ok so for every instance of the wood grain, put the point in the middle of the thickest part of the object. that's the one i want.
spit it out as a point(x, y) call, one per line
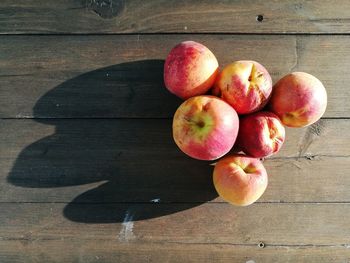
point(136, 16)
point(89, 171)
point(272, 224)
point(111, 160)
point(75, 250)
point(290, 180)
point(122, 76)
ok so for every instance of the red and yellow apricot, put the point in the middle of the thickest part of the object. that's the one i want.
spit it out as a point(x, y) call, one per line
point(298, 99)
point(205, 127)
point(245, 85)
point(261, 134)
point(190, 69)
point(239, 179)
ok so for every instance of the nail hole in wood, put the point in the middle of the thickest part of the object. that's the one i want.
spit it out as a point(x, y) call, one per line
point(259, 18)
point(261, 245)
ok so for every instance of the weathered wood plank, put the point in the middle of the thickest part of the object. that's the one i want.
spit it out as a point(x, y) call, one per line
point(135, 16)
point(99, 160)
point(122, 76)
point(290, 181)
point(27, 250)
point(273, 224)
point(145, 137)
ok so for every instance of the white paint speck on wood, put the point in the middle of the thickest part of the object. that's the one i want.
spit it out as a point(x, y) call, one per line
point(126, 232)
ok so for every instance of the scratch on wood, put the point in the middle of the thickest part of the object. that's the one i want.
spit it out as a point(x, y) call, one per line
point(330, 20)
point(15, 75)
point(312, 133)
point(296, 165)
point(23, 116)
point(295, 66)
point(106, 8)
point(140, 44)
point(131, 95)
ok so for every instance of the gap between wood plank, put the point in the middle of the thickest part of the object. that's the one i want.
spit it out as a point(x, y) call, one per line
point(177, 33)
point(178, 203)
point(199, 243)
point(121, 118)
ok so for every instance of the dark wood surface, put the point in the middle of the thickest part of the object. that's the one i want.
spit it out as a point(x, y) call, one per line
point(133, 159)
point(107, 251)
point(121, 76)
point(88, 168)
point(137, 16)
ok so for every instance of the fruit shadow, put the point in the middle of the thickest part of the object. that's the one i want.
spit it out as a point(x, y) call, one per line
point(138, 169)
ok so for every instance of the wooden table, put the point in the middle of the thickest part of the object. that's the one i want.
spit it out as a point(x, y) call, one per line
point(88, 168)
